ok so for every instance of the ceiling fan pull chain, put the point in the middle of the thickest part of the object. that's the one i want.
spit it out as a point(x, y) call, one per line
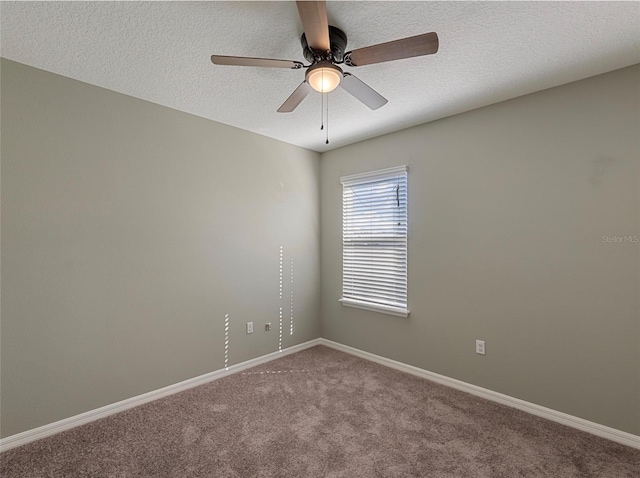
point(322, 103)
point(327, 141)
point(322, 111)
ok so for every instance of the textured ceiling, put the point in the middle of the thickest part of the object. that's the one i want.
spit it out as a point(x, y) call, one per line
point(160, 52)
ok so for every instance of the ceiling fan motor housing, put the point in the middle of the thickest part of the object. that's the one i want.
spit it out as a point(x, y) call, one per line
point(338, 41)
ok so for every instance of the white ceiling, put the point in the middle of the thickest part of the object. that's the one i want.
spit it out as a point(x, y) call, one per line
point(160, 52)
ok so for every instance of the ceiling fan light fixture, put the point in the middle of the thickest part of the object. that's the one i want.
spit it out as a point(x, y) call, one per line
point(324, 76)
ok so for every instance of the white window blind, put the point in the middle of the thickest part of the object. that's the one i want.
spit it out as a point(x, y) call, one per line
point(374, 240)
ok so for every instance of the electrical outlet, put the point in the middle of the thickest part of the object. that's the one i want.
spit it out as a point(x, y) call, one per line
point(267, 327)
point(480, 347)
point(249, 327)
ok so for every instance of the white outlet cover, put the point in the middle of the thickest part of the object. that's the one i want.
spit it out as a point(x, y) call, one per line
point(480, 347)
point(249, 327)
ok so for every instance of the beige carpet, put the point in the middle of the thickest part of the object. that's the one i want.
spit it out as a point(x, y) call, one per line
point(321, 413)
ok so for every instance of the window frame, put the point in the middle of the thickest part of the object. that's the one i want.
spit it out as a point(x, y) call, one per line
point(363, 179)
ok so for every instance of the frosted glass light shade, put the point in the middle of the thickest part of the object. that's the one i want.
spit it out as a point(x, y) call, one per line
point(324, 77)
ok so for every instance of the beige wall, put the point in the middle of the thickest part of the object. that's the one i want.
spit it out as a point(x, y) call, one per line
point(508, 206)
point(128, 231)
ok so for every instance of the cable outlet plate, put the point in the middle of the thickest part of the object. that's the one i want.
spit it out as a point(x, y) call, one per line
point(480, 347)
point(267, 327)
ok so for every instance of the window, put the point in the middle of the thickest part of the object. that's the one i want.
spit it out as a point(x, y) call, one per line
point(374, 241)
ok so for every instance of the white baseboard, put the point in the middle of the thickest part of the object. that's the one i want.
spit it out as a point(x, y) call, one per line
point(544, 412)
point(92, 415)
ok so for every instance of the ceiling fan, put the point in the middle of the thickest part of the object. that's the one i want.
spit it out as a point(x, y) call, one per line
point(324, 47)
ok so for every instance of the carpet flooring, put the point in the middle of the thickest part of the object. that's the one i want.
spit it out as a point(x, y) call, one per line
point(321, 413)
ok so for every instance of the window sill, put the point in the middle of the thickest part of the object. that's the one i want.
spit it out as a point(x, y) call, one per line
point(383, 309)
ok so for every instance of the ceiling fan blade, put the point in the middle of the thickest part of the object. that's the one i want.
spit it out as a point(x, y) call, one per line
point(363, 92)
point(315, 24)
point(425, 44)
point(246, 61)
point(296, 98)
